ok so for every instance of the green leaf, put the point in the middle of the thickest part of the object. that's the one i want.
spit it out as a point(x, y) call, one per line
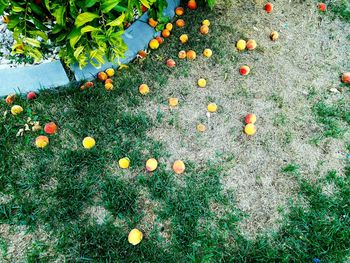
point(90, 3)
point(78, 51)
point(59, 15)
point(86, 29)
point(84, 18)
point(17, 9)
point(36, 9)
point(74, 37)
point(118, 21)
point(108, 5)
point(39, 34)
point(145, 3)
point(32, 41)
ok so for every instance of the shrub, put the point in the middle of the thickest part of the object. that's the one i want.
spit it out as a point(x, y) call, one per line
point(87, 30)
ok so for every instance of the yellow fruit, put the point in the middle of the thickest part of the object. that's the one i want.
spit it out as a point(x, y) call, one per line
point(154, 44)
point(124, 163)
point(207, 52)
point(183, 38)
point(144, 89)
point(202, 83)
point(206, 22)
point(41, 141)
point(212, 107)
point(274, 35)
point(173, 102)
point(241, 45)
point(169, 26)
point(6, 19)
point(182, 54)
point(16, 109)
point(250, 129)
point(201, 127)
point(110, 72)
point(108, 86)
point(179, 167)
point(135, 236)
point(151, 164)
point(89, 142)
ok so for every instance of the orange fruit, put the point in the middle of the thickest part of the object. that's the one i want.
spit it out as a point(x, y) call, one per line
point(159, 39)
point(152, 22)
point(179, 11)
point(204, 29)
point(165, 33)
point(191, 54)
point(192, 5)
point(180, 23)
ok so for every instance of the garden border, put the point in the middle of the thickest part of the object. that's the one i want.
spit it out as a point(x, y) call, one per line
point(53, 75)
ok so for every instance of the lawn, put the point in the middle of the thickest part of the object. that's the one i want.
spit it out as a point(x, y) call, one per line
point(282, 195)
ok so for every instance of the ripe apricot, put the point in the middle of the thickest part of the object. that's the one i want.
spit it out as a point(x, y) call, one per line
point(207, 52)
point(346, 78)
point(16, 109)
point(152, 22)
point(10, 99)
point(204, 29)
point(151, 164)
point(89, 84)
point(192, 5)
point(142, 54)
point(191, 54)
point(102, 76)
point(251, 44)
point(179, 167)
point(250, 118)
point(173, 102)
point(250, 129)
point(109, 81)
point(165, 33)
point(110, 72)
point(241, 45)
point(170, 63)
point(268, 7)
point(206, 22)
point(108, 86)
point(169, 26)
point(41, 141)
point(182, 54)
point(244, 70)
point(180, 23)
point(179, 11)
point(50, 128)
point(212, 107)
point(144, 89)
point(160, 39)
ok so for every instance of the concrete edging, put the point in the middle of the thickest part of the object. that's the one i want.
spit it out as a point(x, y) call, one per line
point(52, 74)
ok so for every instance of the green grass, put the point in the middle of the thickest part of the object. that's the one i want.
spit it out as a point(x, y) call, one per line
point(196, 220)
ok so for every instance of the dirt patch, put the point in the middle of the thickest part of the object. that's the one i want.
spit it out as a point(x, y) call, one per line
point(309, 55)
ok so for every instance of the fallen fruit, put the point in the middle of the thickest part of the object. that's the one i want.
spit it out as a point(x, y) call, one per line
point(143, 8)
point(165, 33)
point(102, 76)
point(212, 107)
point(160, 39)
point(154, 44)
point(110, 72)
point(89, 142)
point(135, 236)
point(152, 22)
point(142, 54)
point(41, 141)
point(250, 118)
point(179, 11)
point(182, 54)
point(144, 89)
point(201, 127)
point(244, 70)
point(191, 54)
point(251, 44)
point(183, 38)
point(170, 63)
point(241, 44)
point(206, 22)
point(202, 83)
point(179, 167)
point(108, 86)
point(124, 163)
point(192, 5)
point(180, 23)
point(109, 81)
point(10, 99)
point(274, 35)
point(173, 102)
point(31, 95)
point(89, 84)
point(16, 109)
point(151, 164)
point(322, 7)
point(250, 129)
point(346, 78)
point(169, 26)
point(6, 19)
point(50, 128)
point(268, 7)
point(207, 52)
point(204, 29)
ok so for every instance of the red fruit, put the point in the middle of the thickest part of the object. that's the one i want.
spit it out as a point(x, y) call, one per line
point(322, 7)
point(89, 84)
point(250, 118)
point(192, 5)
point(50, 128)
point(268, 7)
point(346, 78)
point(170, 63)
point(244, 70)
point(143, 8)
point(37, 2)
point(31, 95)
point(160, 39)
